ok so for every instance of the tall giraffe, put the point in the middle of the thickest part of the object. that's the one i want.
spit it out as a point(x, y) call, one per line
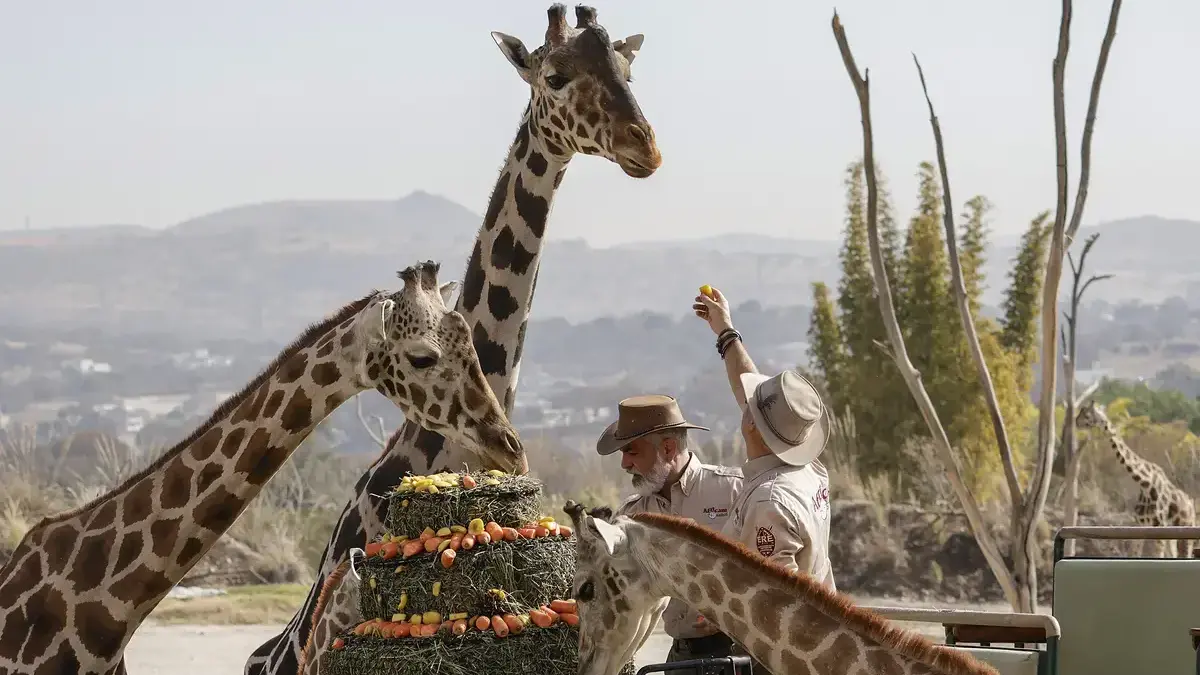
point(579, 102)
point(81, 582)
point(626, 568)
point(1159, 502)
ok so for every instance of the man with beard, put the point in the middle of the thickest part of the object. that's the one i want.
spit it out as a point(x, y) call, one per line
point(652, 435)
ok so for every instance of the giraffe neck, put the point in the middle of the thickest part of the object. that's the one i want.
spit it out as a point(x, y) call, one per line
point(501, 275)
point(1141, 470)
point(106, 565)
point(789, 623)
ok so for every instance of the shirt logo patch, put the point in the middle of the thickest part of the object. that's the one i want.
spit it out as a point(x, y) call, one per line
point(714, 512)
point(821, 503)
point(764, 541)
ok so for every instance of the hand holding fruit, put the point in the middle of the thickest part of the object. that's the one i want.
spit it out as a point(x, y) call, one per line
point(712, 306)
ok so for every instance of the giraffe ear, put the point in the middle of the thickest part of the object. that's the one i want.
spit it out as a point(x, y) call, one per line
point(447, 290)
point(374, 321)
point(610, 536)
point(514, 50)
point(629, 47)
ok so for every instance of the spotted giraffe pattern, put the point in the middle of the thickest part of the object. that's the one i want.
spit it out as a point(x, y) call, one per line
point(80, 583)
point(580, 103)
point(1159, 502)
point(626, 569)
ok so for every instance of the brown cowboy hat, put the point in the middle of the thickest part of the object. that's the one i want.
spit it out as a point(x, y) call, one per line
point(641, 415)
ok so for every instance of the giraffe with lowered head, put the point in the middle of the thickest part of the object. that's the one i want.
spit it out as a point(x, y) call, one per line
point(1159, 502)
point(626, 569)
point(580, 102)
point(81, 582)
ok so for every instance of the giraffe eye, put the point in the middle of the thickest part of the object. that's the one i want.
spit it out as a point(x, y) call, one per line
point(421, 362)
point(556, 81)
point(586, 592)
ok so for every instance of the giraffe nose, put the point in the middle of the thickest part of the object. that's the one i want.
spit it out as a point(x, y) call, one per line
point(638, 134)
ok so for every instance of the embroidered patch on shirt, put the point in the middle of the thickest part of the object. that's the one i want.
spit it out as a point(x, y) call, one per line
point(765, 542)
point(714, 512)
point(821, 503)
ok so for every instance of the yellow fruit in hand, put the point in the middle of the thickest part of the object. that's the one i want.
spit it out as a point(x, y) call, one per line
point(706, 290)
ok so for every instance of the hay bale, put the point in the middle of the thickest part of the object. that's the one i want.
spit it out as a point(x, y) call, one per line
point(531, 572)
point(515, 500)
point(545, 651)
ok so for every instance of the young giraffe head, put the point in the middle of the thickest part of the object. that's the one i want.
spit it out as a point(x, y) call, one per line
point(580, 99)
point(1090, 416)
point(618, 609)
point(413, 349)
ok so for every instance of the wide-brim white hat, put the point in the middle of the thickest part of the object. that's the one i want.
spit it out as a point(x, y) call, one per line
point(789, 414)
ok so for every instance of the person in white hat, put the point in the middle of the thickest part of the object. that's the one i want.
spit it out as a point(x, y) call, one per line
point(782, 510)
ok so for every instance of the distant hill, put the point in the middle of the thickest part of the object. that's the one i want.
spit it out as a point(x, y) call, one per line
point(265, 270)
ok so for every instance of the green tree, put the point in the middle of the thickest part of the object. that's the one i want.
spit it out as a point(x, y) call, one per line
point(825, 347)
point(972, 249)
point(1023, 298)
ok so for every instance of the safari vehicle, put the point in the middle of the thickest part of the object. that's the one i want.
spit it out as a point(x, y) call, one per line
point(1109, 616)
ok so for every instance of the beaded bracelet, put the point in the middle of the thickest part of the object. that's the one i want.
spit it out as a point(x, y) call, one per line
point(727, 338)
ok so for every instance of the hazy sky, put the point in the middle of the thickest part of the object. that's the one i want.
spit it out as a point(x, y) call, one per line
point(154, 112)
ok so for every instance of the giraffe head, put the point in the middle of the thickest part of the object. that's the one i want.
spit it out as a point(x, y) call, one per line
point(618, 605)
point(413, 349)
point(580, 99)
point(1090, 416)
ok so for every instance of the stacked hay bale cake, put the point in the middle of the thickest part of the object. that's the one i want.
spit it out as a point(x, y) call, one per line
point(471, 578)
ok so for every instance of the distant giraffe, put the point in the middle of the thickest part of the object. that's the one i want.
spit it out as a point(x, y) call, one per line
point(80, 583)
point(1159, 503)
point(580, 102)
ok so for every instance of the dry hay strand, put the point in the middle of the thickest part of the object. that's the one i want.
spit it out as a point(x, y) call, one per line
point(512, 503)
point(545, 651)
point(531, 572)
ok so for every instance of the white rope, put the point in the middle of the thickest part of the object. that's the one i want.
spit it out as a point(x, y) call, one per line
point(352, 568)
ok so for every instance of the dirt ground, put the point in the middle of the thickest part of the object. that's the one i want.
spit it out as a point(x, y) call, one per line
point(222, 650)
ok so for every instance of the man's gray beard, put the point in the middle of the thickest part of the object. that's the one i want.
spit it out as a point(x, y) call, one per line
point(654, 482)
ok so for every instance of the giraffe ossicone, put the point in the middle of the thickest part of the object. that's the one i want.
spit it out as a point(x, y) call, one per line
point(80, 583)
point(580, 102)
point(627, 568)
point(1160, 502)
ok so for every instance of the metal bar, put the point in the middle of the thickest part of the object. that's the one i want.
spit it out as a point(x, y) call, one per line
point(968, 617)
point(1128, 532)
point(728, 665)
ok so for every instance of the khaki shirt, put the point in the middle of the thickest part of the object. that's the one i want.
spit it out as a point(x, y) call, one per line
point(704, 493)
point(783, 513)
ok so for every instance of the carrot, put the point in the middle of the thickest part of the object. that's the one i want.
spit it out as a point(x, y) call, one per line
point(432, 543)
point(413, 547)
point(499, 627)
point(446, 625)
point(469, 481)
point(338, 643)
point(402, 630)
point(389, 550)
point(540, 531)
point(526, 532)
point(456, 541)
point(428, 629)
point(551, 613)
point(459, 627)
point(563, 606)
point(564, 530)
point(571, 619)
point(483, 538)
point(468, 542)
point(448, 558)
point(540, 618)
point(514, 624)
point(372, 549)
point(510, 534)
point(482, 623)
point(494, 530)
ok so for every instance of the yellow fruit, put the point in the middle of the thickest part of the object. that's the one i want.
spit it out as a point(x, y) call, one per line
point(490, 481)
point(433, 489)
point(397, 618)
point(475, 526)
point(403, 601)
point(458, 529)
point(444, 532)
point(437, 588)
point(442, 546)
point(398, 570)
point(706, 290)
point(457, 615)
point(371, 581)
point(431, 618)
point(495, 472)
point(403, 503)
point(415, 619)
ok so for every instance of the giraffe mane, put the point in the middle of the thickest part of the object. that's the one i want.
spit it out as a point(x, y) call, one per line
point(311, 333)
point(326, 590)
point(865, 622)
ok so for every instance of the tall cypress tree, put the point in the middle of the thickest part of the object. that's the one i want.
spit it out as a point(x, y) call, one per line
point(825, 347)
point(1022, 299)
point(972, 249)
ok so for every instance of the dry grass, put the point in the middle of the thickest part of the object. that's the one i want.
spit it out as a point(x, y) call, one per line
point(241, 605)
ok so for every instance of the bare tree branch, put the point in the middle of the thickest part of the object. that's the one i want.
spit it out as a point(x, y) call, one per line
point(381, 436)
point(1085, 149)
point(964, 308)
point(912, 376)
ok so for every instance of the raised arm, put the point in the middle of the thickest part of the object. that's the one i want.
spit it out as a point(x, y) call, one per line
point(715, 311)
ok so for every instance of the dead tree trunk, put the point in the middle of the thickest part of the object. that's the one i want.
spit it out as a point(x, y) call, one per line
point(1071, 454)
point(1018, 582)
